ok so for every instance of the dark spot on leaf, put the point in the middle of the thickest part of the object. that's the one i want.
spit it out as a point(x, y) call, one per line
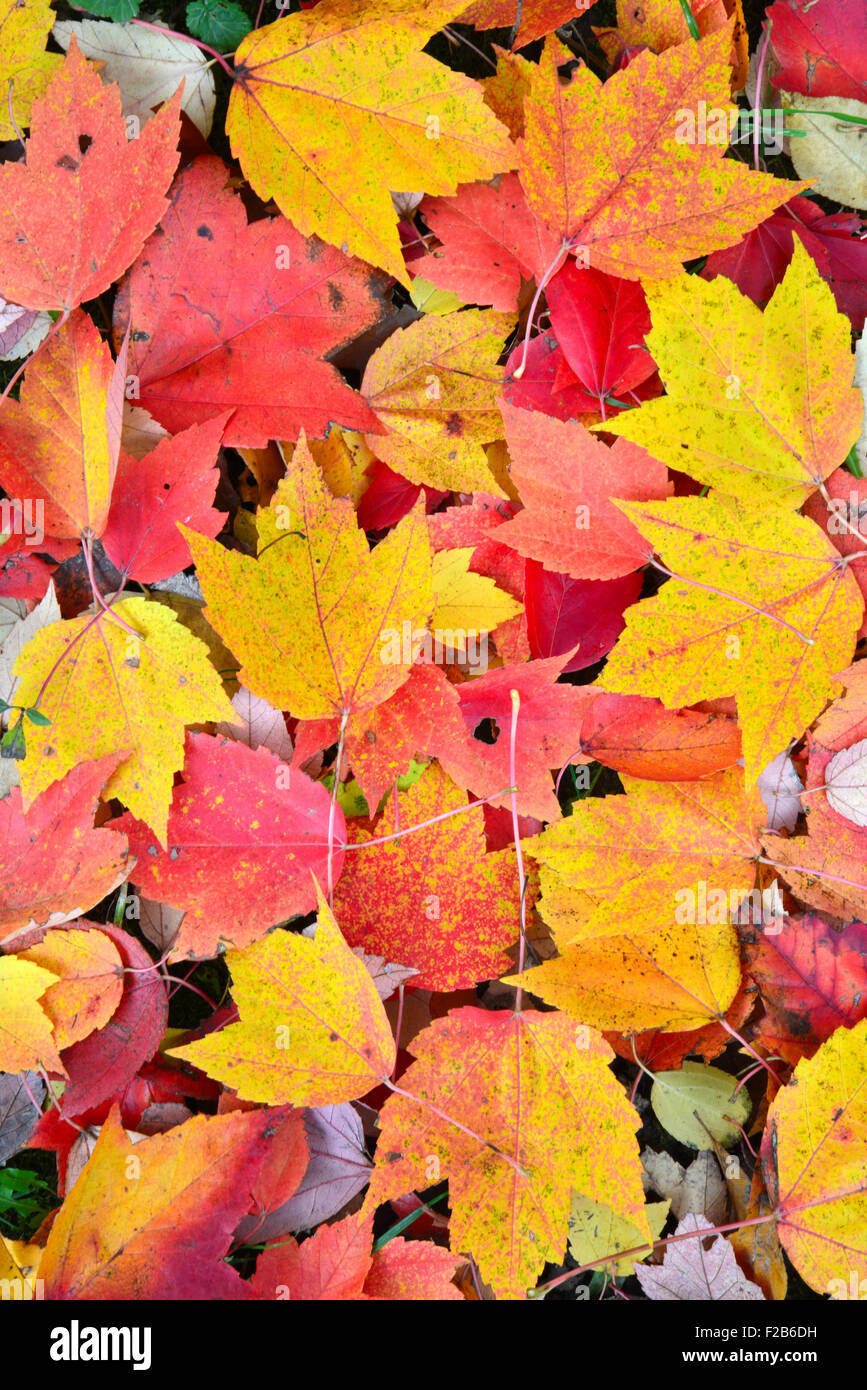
point(370, 736)
point(139, 337)
point(84, 143)
point(336, 297)
point(205, 231)
point(67, 162)
point(453, 425)
point(314, 248)
point(332, 1037)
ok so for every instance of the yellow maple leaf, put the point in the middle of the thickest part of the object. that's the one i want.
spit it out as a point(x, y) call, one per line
point(763, 402)
point(639, 861)
point(815, 1170)
point(24, 63)
point(515, 1112)
point(89, 973)
point(678, 979)
point(760, 607)
point(595, 1231)
point(112, 692)
point(325, 605)
point(26, 1039)
point(617, 169)
point(55, 443)
point(466, 603)
point(312, 1029)
point(435, 386)
point(333, 109)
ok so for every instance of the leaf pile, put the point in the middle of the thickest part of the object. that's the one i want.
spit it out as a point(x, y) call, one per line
point(432, 607)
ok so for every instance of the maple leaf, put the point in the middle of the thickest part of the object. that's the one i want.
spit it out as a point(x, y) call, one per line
point(820, 49)
point(634, 734)
point(563, 613)
point(55, 444)
point(666, 1051)
point(660, 24)
point(239, 813)
point(323, 600)
point(314, 85)
point(89, 981)
point(595, 1231)
point(422, 717)
point(814, 1164)
point(25, 68)
point(53, 864)
point(490, 242)
point(107, 1059)
point(813, 980)
point(75, 215)
point(26, 1034)
point(545, 737)
point(467, 604)
point(680, 978)
point(147, 67)
point(167, 1208)
point(642, 858)
point(529, 1115)
point(413, 1271)
point(312, 1028)
point(338, 1169)
point(114, 692)
point(434, 387)
point(604, 169)
point(450, 909)
point(173, 482)
point(566, 479)
point(841, 513)
point(757, 607)
point(331, 1265)
point(336, 1263)
point(758, 262)
point(534, 18)
point(691, 1271)
point(762, 402)
point(242, 322)
point(825, 868)
point(600, 323)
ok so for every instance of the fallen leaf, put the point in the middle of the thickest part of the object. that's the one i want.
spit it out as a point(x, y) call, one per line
point(147, 66)
point(118, 691)
point(450, 910)
point(433, 386)
point(313, 85)
point(698, 1273)
point(168, 1206)
point(595, 158)
point(765, 417)
point(244, 322)
point(812, 1158)
point(103, 199)
point(238, 812)
point(312, 1028)
point(473, 1065)
point(752, 593)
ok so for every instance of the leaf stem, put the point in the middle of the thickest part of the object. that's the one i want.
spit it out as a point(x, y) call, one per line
point(516, 832)
point(344, 720)
point(810, 641)
point(185, 38)
point(422, 825)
